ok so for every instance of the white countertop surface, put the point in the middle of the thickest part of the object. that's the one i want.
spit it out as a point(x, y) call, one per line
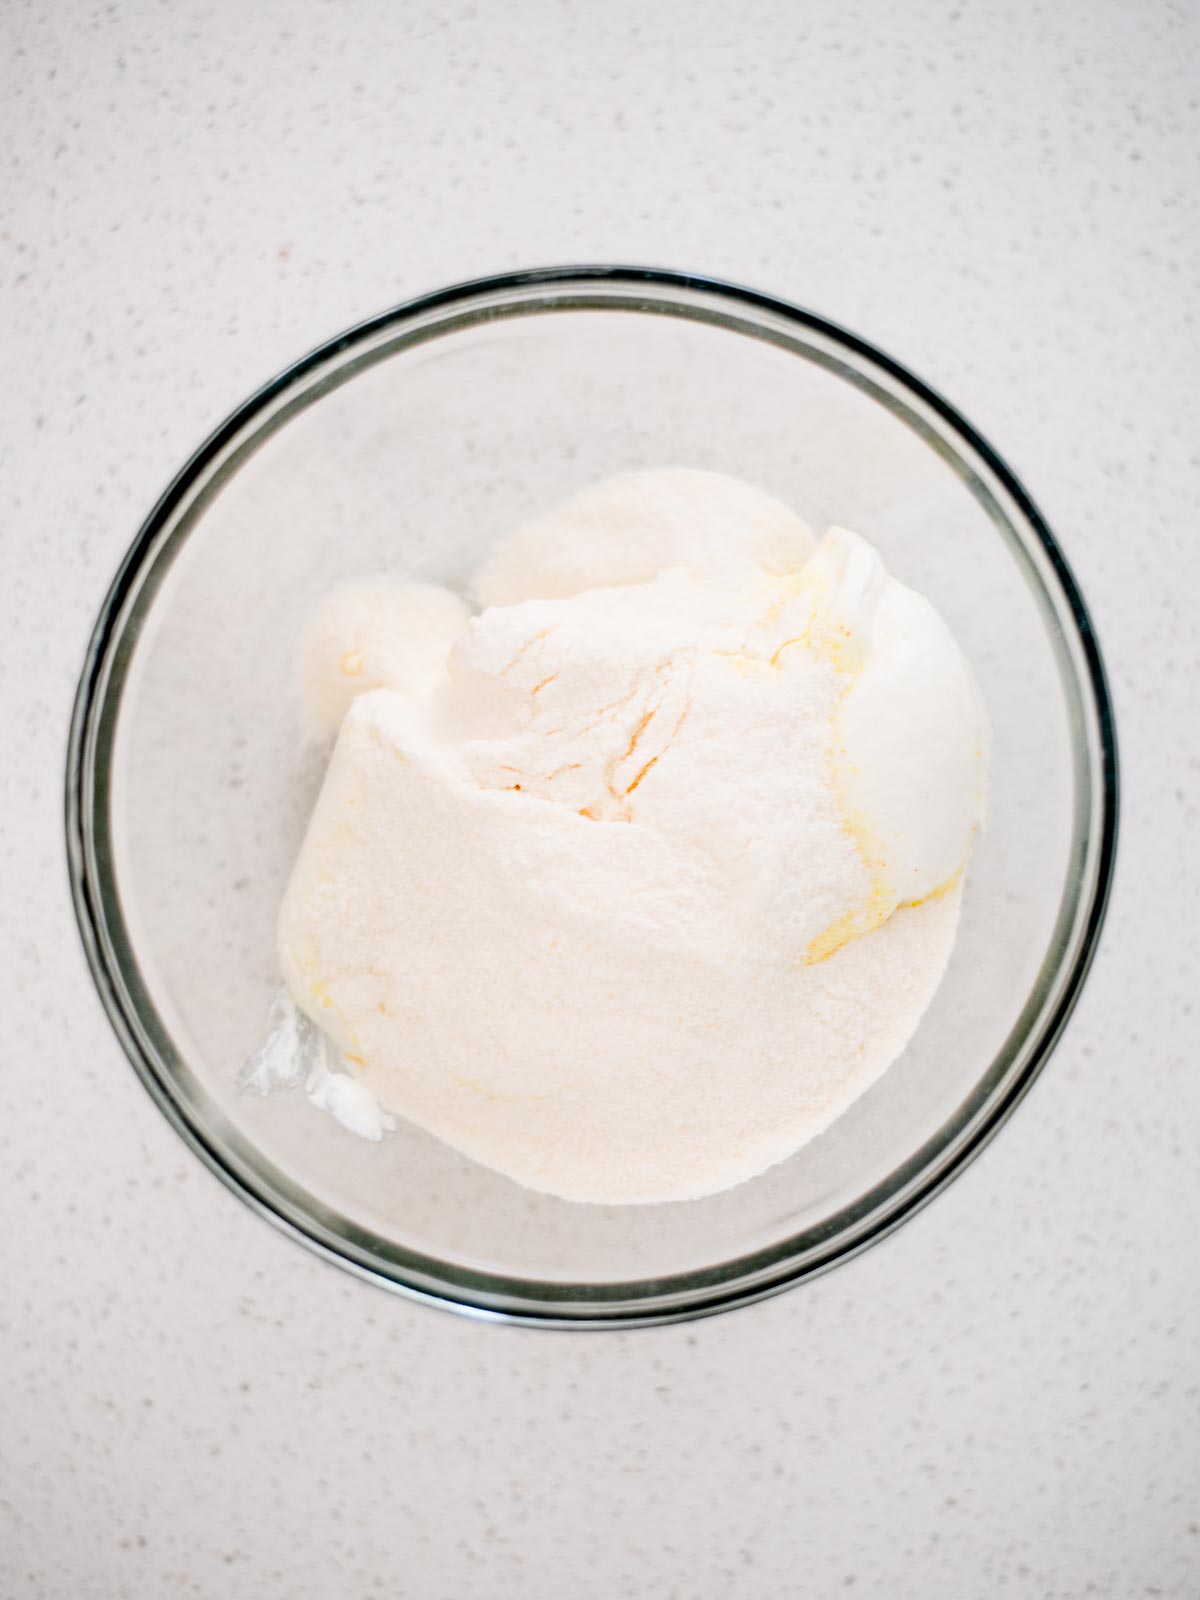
point(1001, 1398)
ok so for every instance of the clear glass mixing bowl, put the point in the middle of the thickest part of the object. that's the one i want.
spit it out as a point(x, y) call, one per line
point(411, 443)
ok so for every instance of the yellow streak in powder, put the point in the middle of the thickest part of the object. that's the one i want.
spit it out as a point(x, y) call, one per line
point(940, 893)
point(836, 644)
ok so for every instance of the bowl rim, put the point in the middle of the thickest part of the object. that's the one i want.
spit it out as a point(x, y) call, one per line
point(545, 1303)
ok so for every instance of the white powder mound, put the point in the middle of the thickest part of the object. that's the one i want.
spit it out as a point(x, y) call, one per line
point(370, 634)
point(628, 528)
point(624, 913)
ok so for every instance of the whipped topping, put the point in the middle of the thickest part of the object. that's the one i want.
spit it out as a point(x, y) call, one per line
point(660, 871)
point(372, 633)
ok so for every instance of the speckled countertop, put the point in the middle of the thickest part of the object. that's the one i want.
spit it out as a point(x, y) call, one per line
point(1002, 1398)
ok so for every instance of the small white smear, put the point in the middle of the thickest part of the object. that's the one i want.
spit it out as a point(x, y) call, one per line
point(349, 1102)
point(295, 1051)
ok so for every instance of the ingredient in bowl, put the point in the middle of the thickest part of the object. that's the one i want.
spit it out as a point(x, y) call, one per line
point(374, 633)
point(628, 528)
point(661, 871)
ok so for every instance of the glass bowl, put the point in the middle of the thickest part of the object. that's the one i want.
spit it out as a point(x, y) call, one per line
point(411, 443)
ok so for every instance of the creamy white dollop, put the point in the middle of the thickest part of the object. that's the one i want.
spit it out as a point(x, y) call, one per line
point(374, 633)
point(660, 871)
